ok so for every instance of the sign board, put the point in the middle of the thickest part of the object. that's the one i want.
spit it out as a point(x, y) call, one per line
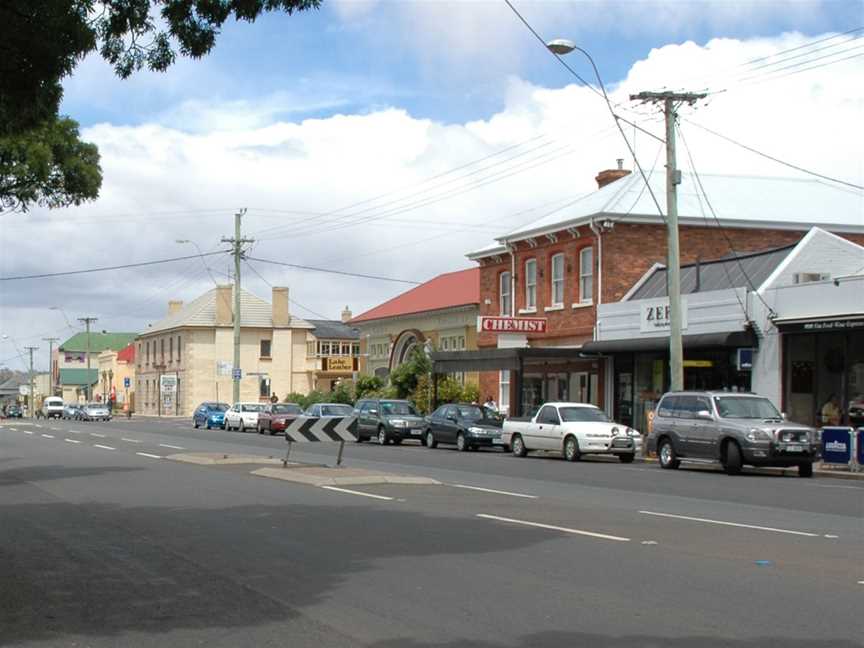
point(339, 364)
point(511, 324)
point(237, 373)
point(127, 382)
point(699, 364)
point(654, 315)
point(745, 359)
point(837, 445)
point(827, 325)
point(223, 367)
point(168, 383)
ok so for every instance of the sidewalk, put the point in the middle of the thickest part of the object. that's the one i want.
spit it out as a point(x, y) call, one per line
point(819, 469)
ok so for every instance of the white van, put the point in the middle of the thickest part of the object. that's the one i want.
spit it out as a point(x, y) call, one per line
point(52, 407)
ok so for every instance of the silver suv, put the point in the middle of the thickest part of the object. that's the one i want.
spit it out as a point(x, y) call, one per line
point(732, 428)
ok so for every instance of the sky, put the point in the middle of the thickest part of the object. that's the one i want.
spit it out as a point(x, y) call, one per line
point(391, 139)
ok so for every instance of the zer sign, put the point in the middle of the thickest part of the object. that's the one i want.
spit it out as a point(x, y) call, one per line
point(512, 324)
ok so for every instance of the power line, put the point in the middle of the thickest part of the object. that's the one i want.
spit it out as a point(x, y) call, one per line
point(292, 301)
point(800, 63)
point(811, 43)
point(800, 54)
point(331, 271)
point(774, 159)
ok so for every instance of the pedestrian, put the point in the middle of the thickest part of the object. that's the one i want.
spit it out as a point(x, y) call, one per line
point(490, 404)
point(831, 411)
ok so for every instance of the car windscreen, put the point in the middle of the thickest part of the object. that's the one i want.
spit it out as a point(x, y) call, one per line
point(403, 409)
point(471, 412)
point(253, 408)
point(287, 409)
point(745, 407)
point(336, 410)
point(218, 407)
point(582, 415)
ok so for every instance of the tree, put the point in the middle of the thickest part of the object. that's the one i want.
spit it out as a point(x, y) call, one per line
point(404, 377)
point(48, 166)
point(367, 385)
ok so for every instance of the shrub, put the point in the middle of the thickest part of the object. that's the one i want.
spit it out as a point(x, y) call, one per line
point(367, 386)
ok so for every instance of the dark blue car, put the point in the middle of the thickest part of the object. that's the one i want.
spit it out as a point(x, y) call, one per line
point(210, 415)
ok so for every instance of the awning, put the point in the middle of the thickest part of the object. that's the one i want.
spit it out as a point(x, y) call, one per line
point(498, 359)
point(848, 322)
point(734, 339)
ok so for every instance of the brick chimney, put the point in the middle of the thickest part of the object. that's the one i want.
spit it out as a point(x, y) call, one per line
point(224, 305)
point(174, 306)
point(611, 175)
point(346, 315)
point(281, 312)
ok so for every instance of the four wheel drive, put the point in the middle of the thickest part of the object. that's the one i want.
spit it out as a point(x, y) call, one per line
point(243, 416)
point(278, 416)
point(388, 420)
point(573, 429)
point(731, 428)
point(468, 426)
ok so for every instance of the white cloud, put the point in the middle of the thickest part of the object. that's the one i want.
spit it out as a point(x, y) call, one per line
point(164, 183)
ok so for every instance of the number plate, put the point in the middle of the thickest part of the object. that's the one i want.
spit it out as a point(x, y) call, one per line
point(793, 447)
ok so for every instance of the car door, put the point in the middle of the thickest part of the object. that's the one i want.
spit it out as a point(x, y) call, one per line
point(201, 415)
point(449, 426)
point(685, 424)
point(703, 431)
point(543, 435)
point(435, 420)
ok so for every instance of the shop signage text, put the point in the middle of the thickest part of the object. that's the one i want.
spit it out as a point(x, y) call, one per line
point(823, 325)
point(654, 315)
point(340, 364)
point(512, 324)
point(168, 384)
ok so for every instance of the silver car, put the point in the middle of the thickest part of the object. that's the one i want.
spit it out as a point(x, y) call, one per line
point(96, 412)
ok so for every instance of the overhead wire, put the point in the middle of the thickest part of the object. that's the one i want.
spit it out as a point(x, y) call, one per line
point(290, 300)
point(343, 273)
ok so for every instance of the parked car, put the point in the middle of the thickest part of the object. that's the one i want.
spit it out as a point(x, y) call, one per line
point(278, 416)
point(73, 411)
point(467, 426)
point(731, 428)
point(96, 412)
point(573, 429)
point(324, 410)
point(388, 420)
point(210, 415)
point(856, 412)
point(14, 411)
point(243, 416)
point(52, 407)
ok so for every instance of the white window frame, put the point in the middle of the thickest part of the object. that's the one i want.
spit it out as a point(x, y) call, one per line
point(505, 296)
point(586, 279)
point(504, 391)
point(556, 282)
point(531, 284)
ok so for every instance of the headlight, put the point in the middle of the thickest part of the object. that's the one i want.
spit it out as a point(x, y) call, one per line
point(476, 430)
point(758, 436)
point(614, 431)
point(398, 423)
point(629, 432)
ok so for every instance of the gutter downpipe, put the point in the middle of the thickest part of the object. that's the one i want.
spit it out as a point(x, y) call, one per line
point(598, 231)
point(511, 249)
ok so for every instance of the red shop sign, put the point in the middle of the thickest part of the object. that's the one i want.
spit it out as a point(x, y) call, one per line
point(512, 324)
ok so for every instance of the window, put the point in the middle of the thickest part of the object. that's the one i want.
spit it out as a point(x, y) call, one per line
point(586, 273)
point(311, 349)
point(445, 344)
point(558, 280)
point(355, 350)
point(324, 348)
point(265, 350)
point(504, 391)
point(531, 284)
point(148, 352)
point(178, 348)
point(504, 293)
point(548, 416)
point(171, 349)
point(162, 350)
point(264, 384)
point(461, 343)
point(346, 348)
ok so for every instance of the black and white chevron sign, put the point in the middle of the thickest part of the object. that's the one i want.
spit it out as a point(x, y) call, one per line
point(324, 429)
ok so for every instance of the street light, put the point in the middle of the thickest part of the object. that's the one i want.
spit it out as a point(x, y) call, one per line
point(201, 256)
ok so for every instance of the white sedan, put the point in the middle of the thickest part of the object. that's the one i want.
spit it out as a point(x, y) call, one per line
point(243, 416)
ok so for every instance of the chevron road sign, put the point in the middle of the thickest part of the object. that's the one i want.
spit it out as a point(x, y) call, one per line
point(325, 429)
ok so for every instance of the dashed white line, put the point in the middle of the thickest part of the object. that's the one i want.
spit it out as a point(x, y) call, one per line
point(48, 436)
point(168, 445)
point(37, 425)
point(147, 454)
point(590, 534)
point(492, 490)
point(25, 432)
point(97, 435)
point(76, 432)
point(353, 492)
point(71, 440)
point(104, 447)
point(130, 440)
point(732, 524)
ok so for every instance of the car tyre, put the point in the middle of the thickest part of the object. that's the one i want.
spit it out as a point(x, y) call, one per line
point(518, 446)
point(241, 427)
point(571, 449)
point(259, 428)
point(805, 470)
point(732, 465)
point(461, 443)
point(195, 424)
point(626, 458)
point(668, 457)
point(209, 427)
point(431, 443)
point(382, 436)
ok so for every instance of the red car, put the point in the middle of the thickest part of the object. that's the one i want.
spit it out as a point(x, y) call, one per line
point(278, 416)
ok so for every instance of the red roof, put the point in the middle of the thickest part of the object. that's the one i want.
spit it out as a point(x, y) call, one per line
point(126, 354)
point(444, 291)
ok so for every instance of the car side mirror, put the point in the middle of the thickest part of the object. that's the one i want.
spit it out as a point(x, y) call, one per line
point(704, 415)
point(452, 418)
point(784, 416)
point(373, 412)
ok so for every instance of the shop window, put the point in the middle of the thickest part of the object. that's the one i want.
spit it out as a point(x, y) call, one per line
point(355, 350)
point(171, 349)
point(531, 284)
point(558, 280)
point(461, 343)
point(265, 349)
point(178, 348)
point(505, 298)
point(445, 344)
point(586, 275)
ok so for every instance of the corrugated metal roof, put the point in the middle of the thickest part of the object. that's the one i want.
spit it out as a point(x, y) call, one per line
point(98, 341)
point(745, 271)
point(334, 330)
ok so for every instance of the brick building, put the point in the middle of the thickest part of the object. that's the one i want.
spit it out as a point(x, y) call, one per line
point(560, 267)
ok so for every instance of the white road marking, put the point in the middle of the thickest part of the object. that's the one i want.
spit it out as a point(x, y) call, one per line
point(76, 431)
point(492, 490)
point(37, 425)
point(130, 440)
point(732, 524)
point(836, 486)
point(147, 454)
point(56, 429)
point(830, 535)
point(71, 441)
point(104, 447)
point(590, 534)
point(353, 492)
point(96, 434)
point(649, 542)
point(25, 432)
point(48, 436)
point(167, 445)
point(861, 582)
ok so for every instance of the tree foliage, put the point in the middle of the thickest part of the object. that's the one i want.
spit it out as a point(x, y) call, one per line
point(367, 385)
point(404, 377)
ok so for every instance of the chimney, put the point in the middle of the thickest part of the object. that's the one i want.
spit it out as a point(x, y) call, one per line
point(346, 315)
point(611, 175)
point(281, 312)
point(224, 306)
point(174, 306)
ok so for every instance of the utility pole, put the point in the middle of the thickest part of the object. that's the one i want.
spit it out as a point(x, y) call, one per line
point(51, 341)
point(671, 101)
point(237, 244)
point(31, 349)
point(87, 322)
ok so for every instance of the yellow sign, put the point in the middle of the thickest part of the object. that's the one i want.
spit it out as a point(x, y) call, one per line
point(340, 364)
point(702, 364)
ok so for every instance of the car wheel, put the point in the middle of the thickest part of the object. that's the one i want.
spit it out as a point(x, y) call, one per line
point(382, 436)
point(668, 459)
point(732, 465)
point(241, 427)
point(208, 425)
point(397, 441)
point(518, 446)
point(626, 458)
point(461, 443)
point(431, 443)
point(259, 429)
point(805, 470)
point(571, 449)
point(195, 424)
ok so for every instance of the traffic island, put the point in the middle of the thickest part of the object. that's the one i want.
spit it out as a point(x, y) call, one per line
point(221, 459)
point(326, 476)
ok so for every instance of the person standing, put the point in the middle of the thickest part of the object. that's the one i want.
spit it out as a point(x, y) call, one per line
point(490, 404)
point(831, 411)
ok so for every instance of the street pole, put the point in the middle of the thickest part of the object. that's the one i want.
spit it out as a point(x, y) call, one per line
point(237, 244)
point(51, 341)
point(87, 322)
point(31, 349)
point(670, 101)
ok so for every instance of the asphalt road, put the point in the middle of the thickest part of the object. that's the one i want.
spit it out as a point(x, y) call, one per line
point(106, 542)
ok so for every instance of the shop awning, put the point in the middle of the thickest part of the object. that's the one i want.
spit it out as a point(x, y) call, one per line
point(733, 339)
point(497, 359)
point(848, 322)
